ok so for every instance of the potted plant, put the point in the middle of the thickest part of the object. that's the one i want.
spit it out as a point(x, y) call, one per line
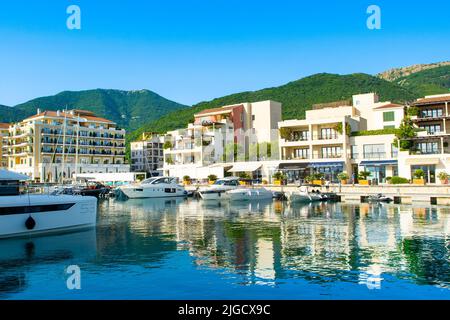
point(419, 177)
point(318, 178)
point(343, 177)
point(187, 180)
point(212, 178)
point(443, 176)
point(245, 177)
point(279, 178)
point(362, 178)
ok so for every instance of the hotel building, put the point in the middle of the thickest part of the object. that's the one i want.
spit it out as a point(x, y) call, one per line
point(340, 136)
point(207, 146)
point(54, 145)
point(4, 133)
point(147, 154)
point(430, 148)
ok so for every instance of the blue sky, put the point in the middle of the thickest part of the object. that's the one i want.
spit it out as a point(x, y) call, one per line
point(195, 50)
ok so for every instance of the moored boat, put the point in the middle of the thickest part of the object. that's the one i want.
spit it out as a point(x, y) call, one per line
point(35, 214)
point(249, 194)
point(219, 189)
point(156, 187)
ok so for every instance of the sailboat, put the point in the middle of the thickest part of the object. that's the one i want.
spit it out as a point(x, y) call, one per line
point(24, 215)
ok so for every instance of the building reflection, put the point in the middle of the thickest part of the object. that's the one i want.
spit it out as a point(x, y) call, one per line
point(324, 242)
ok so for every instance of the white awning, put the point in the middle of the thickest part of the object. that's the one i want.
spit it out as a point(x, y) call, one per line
point(6, 175)
point(245, 167)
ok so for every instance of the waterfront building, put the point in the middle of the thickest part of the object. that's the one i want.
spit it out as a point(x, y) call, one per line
point(348, 136)
point(54, 145)
point(4, 132)
point(430, 148)
point(147, 154)
point(223, 140)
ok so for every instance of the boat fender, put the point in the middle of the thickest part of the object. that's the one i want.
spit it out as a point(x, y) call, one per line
point(30, 223)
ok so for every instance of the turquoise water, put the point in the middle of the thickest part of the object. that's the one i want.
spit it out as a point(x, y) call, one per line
point(188, 249)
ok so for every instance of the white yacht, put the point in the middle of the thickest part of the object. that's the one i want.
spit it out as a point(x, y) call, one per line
point(218, 190)
point(249, 194)
point(23, 215)
point(305, 194)
point(156, 187)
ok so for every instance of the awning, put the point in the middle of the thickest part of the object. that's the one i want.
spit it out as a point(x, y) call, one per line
point(422, 161)
point(378, 163)
point(326, 164)
point(293, 166)
point(245, 167)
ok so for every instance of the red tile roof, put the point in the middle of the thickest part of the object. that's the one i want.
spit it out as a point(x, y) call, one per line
point(217, 110)
point(390, 106)
point(4, 125)
point(70, 116)
point(442, 99)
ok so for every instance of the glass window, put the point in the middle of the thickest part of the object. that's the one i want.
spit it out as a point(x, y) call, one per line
point(374, 151)
point(388, 116)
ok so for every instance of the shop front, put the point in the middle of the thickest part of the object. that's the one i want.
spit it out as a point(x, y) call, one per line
point(380, 170)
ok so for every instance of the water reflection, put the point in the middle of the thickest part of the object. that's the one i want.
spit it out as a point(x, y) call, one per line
point(251, 244)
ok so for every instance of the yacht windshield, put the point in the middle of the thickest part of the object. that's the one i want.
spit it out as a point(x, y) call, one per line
point(148, 181)
point(226, 183)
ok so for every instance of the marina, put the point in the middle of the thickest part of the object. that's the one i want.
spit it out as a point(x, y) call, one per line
point(169, 248)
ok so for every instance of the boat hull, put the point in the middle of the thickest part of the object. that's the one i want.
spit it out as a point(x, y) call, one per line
point(249, 195)
point(49, 214)
point(153, 192)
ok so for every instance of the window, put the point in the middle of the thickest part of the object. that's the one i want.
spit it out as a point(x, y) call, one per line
point(301, 153)
point(301, 135)
point(253, 117)
point(428, 147)
point(374, 151)
point(331, 152)
point(354, 152)
point(432, 113)
point(432, 128)
point(328, 133)
point(388, 116)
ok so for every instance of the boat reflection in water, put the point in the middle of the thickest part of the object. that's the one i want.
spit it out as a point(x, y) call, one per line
point(20, 256)
point(181, 249)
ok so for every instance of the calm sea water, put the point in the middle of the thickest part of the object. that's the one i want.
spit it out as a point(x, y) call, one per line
point(188, 249)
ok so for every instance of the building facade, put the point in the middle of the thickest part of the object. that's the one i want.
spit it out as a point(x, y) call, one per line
point(219, 138)
point(430, 148)
point(342, 137)
point(54, 145)
point(147, 154)
point(4, 133)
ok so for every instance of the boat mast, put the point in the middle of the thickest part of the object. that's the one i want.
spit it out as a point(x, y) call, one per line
point(64, 146)
point(76, 149)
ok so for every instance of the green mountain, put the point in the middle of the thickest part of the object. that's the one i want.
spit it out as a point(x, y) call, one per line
point(427, 82)
point(129, 109)
point(7, 114)
point(296, 97)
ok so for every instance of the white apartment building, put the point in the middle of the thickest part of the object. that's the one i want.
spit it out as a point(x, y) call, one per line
point(147, 154)
point(223, 140)
point(4, 133)
point(54, 145)
point(430, 148)
point(324, 142)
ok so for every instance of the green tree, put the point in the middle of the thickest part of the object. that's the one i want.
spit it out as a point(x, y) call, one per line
point(405, 133)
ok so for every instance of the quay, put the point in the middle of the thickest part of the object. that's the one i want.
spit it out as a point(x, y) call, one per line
point(402, 194)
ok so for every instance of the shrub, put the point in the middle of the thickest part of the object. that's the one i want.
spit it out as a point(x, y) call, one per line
point(419, 174)
point(413, 111)
point(167, 145)
point(279, 176)
point(212, 177)
point(399, 180)
point(244, 176)
point(317, 176)
point(374, 132)
point(285, 133)
point(363, 175)
point(186, 178)
point(343, 176)
point(443, 175)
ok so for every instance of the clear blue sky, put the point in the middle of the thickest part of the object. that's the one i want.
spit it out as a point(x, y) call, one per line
point(194, 50)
